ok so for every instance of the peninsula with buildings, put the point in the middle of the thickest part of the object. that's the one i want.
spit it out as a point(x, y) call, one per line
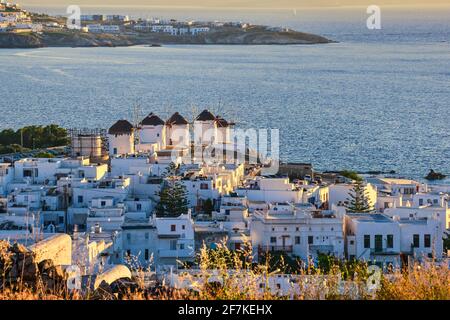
point(21, 29)
point(131, 202)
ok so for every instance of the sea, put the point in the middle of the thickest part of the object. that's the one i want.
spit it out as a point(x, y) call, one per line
point(376, 100)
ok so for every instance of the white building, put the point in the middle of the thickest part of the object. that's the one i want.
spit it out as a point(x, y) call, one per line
point(152, 131)
point(198, 30)
point(301, 230)
point(121, 138)
point(37, 170)
point(6, 177)
point(394, 186)
point(107, 213)
point(205, 128)
point(339, 194)
point(271, 189)
point(177, 131)
point(385, 241)
point(155, 242)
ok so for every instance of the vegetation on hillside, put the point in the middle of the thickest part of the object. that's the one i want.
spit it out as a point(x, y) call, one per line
point(224, 274)
point(351, 175)
point(32, 137)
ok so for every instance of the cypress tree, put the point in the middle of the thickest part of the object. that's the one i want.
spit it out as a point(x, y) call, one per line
point(358, 201)
point(173, 199)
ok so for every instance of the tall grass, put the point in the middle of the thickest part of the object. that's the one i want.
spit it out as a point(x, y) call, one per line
point(223, 274)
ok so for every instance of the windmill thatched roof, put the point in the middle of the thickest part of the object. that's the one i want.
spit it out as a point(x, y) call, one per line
point(121, 127)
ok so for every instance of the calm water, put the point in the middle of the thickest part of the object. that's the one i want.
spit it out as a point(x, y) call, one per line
point(375, 101)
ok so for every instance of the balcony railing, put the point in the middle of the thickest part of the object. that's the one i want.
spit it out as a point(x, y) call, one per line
point(180, 253)
point(274, 248)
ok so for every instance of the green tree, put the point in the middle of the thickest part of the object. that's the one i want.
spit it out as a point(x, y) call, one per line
point(446, 240)
point(172, 199)
point(358, 201)
point(351, 175)
point(44, 155)
point(171, 170)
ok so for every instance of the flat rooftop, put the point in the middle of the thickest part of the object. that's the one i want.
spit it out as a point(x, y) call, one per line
point(369, 217)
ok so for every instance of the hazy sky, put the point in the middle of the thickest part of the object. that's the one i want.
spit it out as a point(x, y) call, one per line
point(236, 3)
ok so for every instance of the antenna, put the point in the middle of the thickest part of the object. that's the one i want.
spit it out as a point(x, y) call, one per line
point(136, 119)
point(194, 111)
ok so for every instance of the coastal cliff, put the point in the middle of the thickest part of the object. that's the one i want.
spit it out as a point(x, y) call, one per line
point(66, 38)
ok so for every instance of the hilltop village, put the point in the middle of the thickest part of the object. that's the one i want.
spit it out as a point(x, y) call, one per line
point(22, 29)
point(102, 206)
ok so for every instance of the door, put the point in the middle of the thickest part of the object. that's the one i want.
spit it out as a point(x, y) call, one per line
point(378, 243)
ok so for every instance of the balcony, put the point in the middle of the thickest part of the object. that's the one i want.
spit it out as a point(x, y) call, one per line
point(274, 248)
point(180, 253)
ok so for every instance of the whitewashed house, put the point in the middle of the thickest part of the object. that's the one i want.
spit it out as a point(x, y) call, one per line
point(175, 239)
point(339, 194)
point(177, 131)
point(121, 138)
point(152, 131)
point(374, 238)
point(271, 189)
point(205, 128)
point(298, 230)
point(382, 240)
point(106, 213)
point(37, 170)
point(6, 177)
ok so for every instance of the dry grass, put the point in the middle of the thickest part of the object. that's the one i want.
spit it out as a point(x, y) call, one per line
point(228, 275)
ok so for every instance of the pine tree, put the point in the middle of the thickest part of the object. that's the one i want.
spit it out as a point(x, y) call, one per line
point(358, 201)
point(173, 199)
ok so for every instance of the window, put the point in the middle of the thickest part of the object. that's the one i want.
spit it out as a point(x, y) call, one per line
point(103, 203)
point(390, 241)
point(36, 172)
point(128, 236)
point(367, 241)
point(146, 254)
point(378, 243)
point(139, 207)
point(80, 199)
point(183, 227)
point(297, 229)
point(310, 240)
point(173, 244)
point(204, 186)
point(415, 241)
point(427, 241)
point(173, 227)
point(273, 239)
point(420, 202)
point(115, 151)
point(27, 173)
point(60, 220)
point(128, 253)
point(181, 246)
point(146, 236)
point(297, 240)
